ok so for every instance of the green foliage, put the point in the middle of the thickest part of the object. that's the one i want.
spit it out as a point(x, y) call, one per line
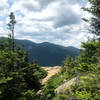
point(61, 97)
point(83, 95)
point(28, 95)
point(17, 75)
point(67, 71)
point(88, 88)
point(87, 67)
point(52, 83)
point(33, 75)
point(94, 21)
point(10, 61)
point(19, 79)
point(88, 51)
point(48, 92)
point(5, 80)
point(68, 67)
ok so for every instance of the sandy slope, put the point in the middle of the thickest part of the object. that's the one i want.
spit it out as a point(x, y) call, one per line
point(51, 71)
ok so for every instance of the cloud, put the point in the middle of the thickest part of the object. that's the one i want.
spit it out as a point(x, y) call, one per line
point(66, 15)
point(3, 4)
point(44, 3)
point(56, 21)
point(1, 23)
point(30, 5)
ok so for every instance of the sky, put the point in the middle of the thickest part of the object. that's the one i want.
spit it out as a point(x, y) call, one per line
point(55, 21)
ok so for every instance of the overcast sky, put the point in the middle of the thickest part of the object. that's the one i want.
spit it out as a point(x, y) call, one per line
point(55, 21)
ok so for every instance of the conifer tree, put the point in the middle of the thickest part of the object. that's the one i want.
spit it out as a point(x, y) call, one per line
point(94, 21)
point(11, 26)
point(19, 79)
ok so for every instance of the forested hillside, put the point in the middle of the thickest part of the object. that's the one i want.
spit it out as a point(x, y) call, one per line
point(46, 54)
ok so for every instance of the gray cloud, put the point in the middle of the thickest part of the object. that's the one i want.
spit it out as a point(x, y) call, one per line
point(48, 20)
point(29, 6)
point(64, 24)
point(45, 3)
point(34, 5)
point(3, 5)
point(73, 2)
point(66, 15)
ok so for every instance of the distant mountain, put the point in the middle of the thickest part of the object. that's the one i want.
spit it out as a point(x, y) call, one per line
point(47, 54)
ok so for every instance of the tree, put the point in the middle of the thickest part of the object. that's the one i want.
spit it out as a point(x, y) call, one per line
point(94, 21)
point(19, 79)
point(11, 26)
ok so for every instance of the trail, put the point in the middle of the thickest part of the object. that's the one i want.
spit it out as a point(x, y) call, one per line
point(51, 71)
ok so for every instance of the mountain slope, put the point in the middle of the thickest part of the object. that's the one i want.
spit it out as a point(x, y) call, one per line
point(47, 54)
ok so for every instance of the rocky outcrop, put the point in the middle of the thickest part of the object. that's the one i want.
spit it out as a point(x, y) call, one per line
point(66, 85)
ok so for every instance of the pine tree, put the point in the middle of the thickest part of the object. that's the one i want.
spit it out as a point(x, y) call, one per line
point(19, 79)
point(11, 26)
point(94, 21)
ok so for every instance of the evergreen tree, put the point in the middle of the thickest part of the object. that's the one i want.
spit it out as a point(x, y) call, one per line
point(11, 26)
point(94, 21)
point(19, 79)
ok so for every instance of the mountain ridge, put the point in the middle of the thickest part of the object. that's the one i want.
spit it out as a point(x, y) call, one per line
point(47, 54)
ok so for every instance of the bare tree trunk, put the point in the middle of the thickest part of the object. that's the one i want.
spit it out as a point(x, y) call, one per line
point(13, 43)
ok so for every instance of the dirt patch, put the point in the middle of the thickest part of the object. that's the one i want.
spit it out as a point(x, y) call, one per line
point(51, 71)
